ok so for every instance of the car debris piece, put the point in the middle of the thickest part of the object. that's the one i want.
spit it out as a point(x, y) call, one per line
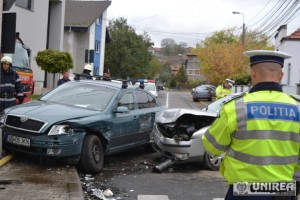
point(98, 193)
point(108, 193)
point(163, 165)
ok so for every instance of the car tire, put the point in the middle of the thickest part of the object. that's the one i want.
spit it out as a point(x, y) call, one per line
point(92, 157)
point(195, 100)
point(211, 164)
point(210, 99)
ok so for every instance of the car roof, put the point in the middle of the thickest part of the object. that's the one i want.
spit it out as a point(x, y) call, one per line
point(112, 83)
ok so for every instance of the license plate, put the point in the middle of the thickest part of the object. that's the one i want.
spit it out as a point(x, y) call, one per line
point(18, 140)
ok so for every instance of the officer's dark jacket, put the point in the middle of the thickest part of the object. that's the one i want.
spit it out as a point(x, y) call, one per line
point(10, 88)
point(62, 80)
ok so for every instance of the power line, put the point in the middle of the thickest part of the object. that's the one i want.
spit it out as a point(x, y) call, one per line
point(186, 5)
point(259, 12)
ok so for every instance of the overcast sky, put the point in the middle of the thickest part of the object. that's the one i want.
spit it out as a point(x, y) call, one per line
point(190, 21)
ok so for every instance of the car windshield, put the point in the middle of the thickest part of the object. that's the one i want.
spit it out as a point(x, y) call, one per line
point(149, 87)
point(217, 105)
point(81, 95)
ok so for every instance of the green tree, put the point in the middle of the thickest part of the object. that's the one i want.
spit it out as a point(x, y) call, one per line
point(166, 74)
point(221, 55)
point(171, 48)
point(127, 55)
point(154, 68)
point(54, 61)
point(181, 77)
point(168, 46)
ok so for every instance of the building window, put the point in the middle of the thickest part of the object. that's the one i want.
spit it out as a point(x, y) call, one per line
point(27, 4)
point(97, 46)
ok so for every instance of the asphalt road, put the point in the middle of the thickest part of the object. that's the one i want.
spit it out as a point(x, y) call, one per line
point(129, 174)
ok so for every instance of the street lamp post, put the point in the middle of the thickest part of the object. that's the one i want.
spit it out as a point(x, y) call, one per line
point(244, 31)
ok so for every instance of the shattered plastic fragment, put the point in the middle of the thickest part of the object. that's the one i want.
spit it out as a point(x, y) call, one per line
point(108, 192)
point(170, 169)
point(98, 193)
point(89, 178)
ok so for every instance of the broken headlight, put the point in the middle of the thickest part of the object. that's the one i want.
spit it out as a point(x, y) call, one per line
point(61, 130)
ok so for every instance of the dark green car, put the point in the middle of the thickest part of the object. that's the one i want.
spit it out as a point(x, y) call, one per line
point(81, 122)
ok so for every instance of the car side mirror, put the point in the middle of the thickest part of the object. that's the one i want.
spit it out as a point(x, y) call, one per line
point(122, 109)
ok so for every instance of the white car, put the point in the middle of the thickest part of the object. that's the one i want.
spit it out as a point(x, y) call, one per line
point(178, 134)
point(151, 87)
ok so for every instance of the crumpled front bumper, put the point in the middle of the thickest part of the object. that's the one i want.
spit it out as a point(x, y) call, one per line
point(179, 150)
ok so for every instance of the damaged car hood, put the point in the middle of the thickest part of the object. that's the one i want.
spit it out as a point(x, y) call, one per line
point(173, 114)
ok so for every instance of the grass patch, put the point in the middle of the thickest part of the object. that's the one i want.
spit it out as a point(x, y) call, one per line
point(34, 96)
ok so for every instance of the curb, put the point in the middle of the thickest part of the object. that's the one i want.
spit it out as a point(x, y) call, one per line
point(6, 159)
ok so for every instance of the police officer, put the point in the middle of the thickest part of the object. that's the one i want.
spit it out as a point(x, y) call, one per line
point(10, 87)
point(224, 89)
point(259, 130)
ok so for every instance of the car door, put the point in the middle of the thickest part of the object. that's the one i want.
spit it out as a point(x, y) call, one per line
point(147, 108)
point(124, 125)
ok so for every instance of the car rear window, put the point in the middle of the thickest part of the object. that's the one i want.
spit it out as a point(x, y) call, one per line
point(202, 89)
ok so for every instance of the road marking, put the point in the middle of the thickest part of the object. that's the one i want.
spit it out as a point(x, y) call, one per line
point(167, 100)
point(218, 199)
point(153, 197)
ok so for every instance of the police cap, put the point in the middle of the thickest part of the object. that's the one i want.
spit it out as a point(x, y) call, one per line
point(230, 82)
point(261, 56)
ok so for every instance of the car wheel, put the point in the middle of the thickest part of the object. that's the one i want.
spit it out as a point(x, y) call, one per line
point(212, 163)
point(210, 99)
point(92, 156)
point(195, 100)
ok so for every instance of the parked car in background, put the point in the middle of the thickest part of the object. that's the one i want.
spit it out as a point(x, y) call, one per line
point(160, 86)
point(178, 134)
point(209, 86)
point(81, 122)
point(203, 92)
point(151, 87)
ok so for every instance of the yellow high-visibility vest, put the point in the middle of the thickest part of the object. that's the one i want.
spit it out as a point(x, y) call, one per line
point(222, 92)
point(260, 133)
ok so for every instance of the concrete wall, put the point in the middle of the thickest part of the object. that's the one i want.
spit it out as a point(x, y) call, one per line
point(70, 45)
point(32, 26)
point(55, 38)
point(76, 43)
point(35, 32)
point(103, 39)
point(291, 67)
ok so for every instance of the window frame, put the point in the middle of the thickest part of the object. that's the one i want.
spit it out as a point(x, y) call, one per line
point(26, 4)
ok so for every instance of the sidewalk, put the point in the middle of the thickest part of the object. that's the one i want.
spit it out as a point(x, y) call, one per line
point(28, 179)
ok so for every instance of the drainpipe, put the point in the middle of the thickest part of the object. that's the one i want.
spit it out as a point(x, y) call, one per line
point(289, 74)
